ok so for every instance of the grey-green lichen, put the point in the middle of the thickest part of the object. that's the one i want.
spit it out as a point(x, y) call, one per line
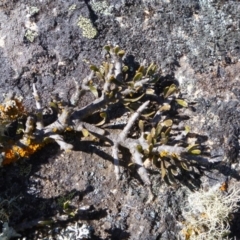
point(30, 35)
point(72, 7)
point(88, 30)
point(33, 10)
point(101, 7)
point(8, 232)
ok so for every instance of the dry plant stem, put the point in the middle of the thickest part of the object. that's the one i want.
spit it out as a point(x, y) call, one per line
point(92, 129)
point(117, 66)
point(28, 133)
point(80, 91)
point(39, 124)
point(132, 120)
point(74, 118)
point(138, 161)
point(90, 108)
point(116, 160)
point(76, 96)
point(59, 140)
point(136, 155)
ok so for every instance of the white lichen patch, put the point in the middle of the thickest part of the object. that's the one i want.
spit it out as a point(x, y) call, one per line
point(207, 213)
point(2, 41)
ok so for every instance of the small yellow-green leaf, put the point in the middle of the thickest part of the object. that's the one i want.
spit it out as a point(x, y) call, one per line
point(191, 147)
point(131, 164)
point(150, 148)
point(125, 68)
point(195, 151)
point(158, 129)
point(184, 166)
point(163, 170)
point(151, 69)
point(167, 132)
point(121, 53)
point(85, 132)
point(94, 91)
point(53, 105)
point(66, 205)
point(45, 222)
point(106, 68)
point(141, 69)
point(164, 138)
point(146, 115)
point(94, 68)
point(116, 49)
point(141, 125)
point(139, 148)
point(137, 76)
point(133, 99)
point(170, 178)
point(104, 116)
point(165, 107)
point(182, 103)
point(187, 129)
point(169, 90)
point(111, 94)
point(107, 48)
point(149, 138)
point(153, 132)
point(174, 171)
point(112, 79)
point(99, 75)
point(167, 123)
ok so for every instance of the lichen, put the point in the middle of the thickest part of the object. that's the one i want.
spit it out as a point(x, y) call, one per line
point(15, 152)
point(207, 212)
point(87, 27)
point(30, 35)
point(12, 108)
point(101, 7)
point(8, 232)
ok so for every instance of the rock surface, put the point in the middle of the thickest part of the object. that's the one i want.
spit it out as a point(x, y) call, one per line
point(196, 42)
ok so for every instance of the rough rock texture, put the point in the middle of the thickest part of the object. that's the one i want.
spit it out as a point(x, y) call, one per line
point(196, 42)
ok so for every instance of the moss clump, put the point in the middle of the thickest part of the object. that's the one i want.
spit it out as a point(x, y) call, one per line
point(88, 30)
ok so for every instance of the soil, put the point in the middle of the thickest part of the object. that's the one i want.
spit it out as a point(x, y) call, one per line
point(195, 43)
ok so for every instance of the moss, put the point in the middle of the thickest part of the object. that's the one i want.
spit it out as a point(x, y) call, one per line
point(88, 30)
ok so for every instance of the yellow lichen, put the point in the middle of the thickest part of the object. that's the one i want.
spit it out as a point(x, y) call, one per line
point(11, 109)
point(88, 30)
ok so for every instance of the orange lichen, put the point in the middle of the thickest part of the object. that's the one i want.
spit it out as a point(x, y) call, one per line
point(15, 152)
